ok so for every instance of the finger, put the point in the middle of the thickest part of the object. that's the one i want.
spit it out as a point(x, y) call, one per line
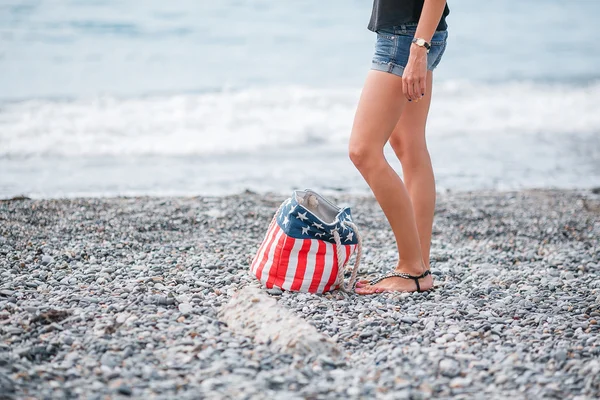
point(423, 87)
point(413, 93)
point(416, 93)
point(405, 87)
point(410, 91)
point(417, 89)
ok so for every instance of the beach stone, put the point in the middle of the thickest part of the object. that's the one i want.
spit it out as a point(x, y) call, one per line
point(109, 359)
point(185, 308)
point(7, 385)
point(460, 382)
point(366, 334)
point(46, 259)
point(460, 337)
point(449, 367)
point(275, 291)
point(501, 378)
point(560, 355)
point(125, 389)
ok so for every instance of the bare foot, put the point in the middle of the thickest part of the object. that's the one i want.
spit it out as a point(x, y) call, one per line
point(394, 284)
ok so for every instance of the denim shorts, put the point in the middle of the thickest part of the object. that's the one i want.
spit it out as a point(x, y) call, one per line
point(393, 48)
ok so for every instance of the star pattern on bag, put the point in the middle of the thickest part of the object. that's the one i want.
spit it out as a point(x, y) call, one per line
point(302, 216)
point(308, 226)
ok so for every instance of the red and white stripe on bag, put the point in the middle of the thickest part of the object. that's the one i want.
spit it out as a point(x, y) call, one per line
point(297, 254)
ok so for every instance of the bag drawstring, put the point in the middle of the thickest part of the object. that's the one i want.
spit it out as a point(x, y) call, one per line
point(340, 256)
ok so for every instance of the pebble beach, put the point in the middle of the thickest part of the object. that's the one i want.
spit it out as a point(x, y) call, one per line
point(120, 297)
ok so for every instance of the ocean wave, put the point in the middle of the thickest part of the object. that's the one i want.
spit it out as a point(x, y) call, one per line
point(250, 120)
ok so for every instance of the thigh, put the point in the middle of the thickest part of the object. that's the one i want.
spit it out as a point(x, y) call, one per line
point(379, 108)
point(410, 127)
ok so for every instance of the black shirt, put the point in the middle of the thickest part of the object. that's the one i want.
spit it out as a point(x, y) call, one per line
point(388, 13)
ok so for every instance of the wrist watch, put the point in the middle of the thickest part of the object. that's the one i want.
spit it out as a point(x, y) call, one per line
point(422, 43)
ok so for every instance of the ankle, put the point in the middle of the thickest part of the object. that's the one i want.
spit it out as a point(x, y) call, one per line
point(411, 268)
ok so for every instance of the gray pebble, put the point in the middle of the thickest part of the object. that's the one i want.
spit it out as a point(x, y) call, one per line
point(46, 259)
point(125, 390)
point(560, 355)
point(449, 367)
point(275, 291)
point(185, 308)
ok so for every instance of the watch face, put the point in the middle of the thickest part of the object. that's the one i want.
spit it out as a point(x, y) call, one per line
point(421, 42)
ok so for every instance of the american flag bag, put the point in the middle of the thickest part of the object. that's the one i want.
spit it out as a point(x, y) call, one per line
point(307, 246)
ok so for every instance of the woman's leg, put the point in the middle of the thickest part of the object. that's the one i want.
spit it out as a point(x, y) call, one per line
point(378, 112)
point(409, 144)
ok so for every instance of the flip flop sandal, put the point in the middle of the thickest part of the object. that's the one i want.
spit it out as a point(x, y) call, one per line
point(402, 275)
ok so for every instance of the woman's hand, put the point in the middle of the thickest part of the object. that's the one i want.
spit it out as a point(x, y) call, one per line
point(414, 77)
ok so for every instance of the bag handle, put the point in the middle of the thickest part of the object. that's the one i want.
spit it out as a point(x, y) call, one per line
point(340, 278)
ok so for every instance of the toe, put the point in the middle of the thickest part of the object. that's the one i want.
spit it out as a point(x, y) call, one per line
point(364, 290)
point(362, 283)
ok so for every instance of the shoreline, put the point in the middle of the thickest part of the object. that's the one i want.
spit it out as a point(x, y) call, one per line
point(120, 296)
point(589, 190)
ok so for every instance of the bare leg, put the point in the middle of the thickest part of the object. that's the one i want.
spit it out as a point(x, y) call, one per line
point(409, 144)
point(378, 112)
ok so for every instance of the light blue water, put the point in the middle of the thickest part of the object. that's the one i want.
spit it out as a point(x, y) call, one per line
point(204, 97)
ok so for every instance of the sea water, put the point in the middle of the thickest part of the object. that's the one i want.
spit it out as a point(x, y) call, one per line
point(148, 97)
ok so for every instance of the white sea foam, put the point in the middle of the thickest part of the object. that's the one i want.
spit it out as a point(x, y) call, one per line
point(249, 120)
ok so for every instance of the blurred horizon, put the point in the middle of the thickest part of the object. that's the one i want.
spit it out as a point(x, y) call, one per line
point(108, 97)
point(133, 47)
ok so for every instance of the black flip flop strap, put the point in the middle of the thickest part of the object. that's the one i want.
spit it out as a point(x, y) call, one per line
point(402, 275)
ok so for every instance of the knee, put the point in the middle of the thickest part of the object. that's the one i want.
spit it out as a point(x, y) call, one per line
point(363, 155)
point(411, 155)
point(397, 145)
point(414, 159)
